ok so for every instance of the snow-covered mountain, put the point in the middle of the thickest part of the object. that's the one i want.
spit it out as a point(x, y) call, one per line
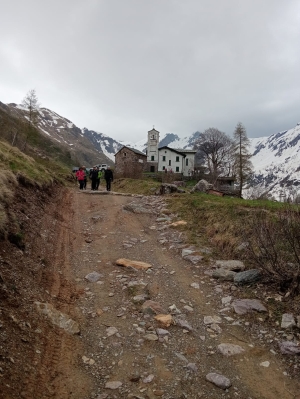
point(276, 163)
point(168, 139)
point(275, 158)
point(65, 133)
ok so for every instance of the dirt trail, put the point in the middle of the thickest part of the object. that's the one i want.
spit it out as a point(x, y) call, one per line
point(89, 232)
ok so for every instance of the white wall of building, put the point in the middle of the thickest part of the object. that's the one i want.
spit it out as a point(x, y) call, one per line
point(176, 162)
point(170, 160)
point(152, 146)
point(188, 164)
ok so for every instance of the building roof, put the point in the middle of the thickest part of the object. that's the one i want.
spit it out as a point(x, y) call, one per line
point(133, 150)
point(186, 151)
point(172, 149)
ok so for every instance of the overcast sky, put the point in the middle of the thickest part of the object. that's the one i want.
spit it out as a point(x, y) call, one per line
point(121, 66)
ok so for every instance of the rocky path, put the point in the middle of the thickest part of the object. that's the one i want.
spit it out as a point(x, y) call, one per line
point(200, 348)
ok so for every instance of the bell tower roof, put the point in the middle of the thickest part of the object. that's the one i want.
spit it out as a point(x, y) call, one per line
point(153, 130)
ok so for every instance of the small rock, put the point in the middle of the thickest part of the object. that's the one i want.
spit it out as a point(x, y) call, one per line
point(219, 380)
point(212, 320)
point(243, 306)
point(174, 310)
point(183, 323)
point(162, 332)
point(113, 384)
point(193, 367)
point(195, 259)
point(181, 357)
point(133, 263)
point(265, 364)
point(148, 379)
point(140, 298)
point(110, 331)
point(289, 348)
point(223, 274)
point(287, 320)
point(165, 319)
point(93, 277)
point(216, 328)
point(87, 360)
point(151, 337)
point(188, 308)
point(226, 300)
point(195, 285)
point(187, 251)
point(230, 349)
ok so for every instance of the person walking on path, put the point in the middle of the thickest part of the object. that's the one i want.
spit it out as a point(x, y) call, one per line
point(100, 175)
point(94, 177)
point(109, 177)
point(85, 177)
point(80, 175)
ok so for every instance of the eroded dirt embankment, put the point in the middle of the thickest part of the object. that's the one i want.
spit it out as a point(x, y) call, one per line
point(66, 235)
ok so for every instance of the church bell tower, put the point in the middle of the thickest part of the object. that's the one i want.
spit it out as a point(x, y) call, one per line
point(152, 147)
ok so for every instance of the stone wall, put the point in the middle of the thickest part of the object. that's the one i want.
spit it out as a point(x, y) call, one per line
point(129, 164)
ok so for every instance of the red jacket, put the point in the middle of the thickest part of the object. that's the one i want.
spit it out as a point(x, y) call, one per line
point(80, 174)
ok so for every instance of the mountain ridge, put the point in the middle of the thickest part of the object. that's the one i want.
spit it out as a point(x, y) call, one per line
point(274, 158)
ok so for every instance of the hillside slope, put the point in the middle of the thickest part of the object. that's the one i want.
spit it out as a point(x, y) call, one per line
point(61, 131)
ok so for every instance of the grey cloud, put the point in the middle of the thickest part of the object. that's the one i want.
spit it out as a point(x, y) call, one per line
point(121, 66)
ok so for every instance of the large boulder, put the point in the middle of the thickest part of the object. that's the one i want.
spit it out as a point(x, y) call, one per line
point(247, 277)
point(202, 186)
point(168, 188)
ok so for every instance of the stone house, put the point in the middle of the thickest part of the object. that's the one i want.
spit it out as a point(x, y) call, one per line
point(130, 162)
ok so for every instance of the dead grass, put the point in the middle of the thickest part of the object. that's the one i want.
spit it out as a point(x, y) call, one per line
point(135, 186)
point(23, 166)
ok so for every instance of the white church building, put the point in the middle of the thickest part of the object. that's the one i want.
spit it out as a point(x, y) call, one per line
point(166, 159)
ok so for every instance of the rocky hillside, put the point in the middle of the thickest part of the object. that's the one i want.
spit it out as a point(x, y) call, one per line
point(276, 163)
point(64, 133)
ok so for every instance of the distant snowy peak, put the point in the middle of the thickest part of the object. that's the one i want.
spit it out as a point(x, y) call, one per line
point(169, 139)
point(173, 141)
point(103, 143)
point(276, 162)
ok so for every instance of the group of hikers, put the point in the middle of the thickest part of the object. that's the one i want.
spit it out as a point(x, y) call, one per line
point(95, 174)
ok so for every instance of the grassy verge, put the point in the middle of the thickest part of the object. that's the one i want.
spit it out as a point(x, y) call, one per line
point(135, 186)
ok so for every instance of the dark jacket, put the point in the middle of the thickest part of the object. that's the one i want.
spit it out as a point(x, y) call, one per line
point(108, 175)
point(94, 174)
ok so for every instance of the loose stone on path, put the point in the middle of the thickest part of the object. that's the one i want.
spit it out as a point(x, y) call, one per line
point(287, 321)
point(113, 384)
point(230, 349)
point(219, 380)
point(243, 306)
point(133, 263)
